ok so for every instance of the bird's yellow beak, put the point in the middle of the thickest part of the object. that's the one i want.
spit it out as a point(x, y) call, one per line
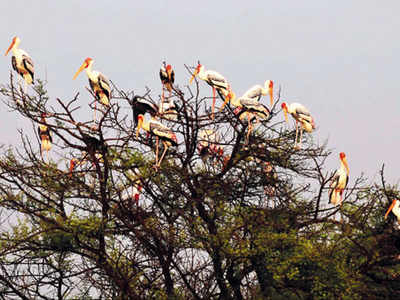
point(271, 95)
point(286, 117)
point(194, 75)
point(390, 208)
point(80, 70)
point(140, 123)
point(346, 165)
point(9, 48)
point(228, 98)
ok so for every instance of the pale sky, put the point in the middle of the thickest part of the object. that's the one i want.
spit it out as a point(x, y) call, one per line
point(338, 58)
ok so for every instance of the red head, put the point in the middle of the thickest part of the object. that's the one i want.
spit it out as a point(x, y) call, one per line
point(85, 65)
point(284, 106)
point(168, 68)
point(342, 155)
point(87, 62)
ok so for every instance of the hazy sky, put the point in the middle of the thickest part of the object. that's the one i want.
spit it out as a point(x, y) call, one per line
point(338, 58)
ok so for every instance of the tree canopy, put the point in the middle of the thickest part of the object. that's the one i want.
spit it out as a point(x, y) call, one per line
point(226, 214)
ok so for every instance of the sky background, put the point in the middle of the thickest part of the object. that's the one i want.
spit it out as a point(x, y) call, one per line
point(338, 58)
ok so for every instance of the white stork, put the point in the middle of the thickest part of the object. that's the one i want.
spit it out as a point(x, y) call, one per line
point(167, 137)
point(98, 83)
point(45, 137)
point(215, 80)
point(301, 114)
point(339, 181)
point(395, 207)
point(167, 76)
point(21, 62)
point(256, 91)
point(249, 105)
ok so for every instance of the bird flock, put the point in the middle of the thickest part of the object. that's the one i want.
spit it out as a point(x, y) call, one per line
point(247, 108)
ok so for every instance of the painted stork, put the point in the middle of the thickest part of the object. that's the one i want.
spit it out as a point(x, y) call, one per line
point(301, 114)
point(167, 76)
point(167, 137)
point(21, 62)
point(255, 92)
point(98, 83)
point(215, 80)
point(141, 106)
point(339, 181)
point(45, 137)
point(169, 110)
point(395, 207)
point(249, 105)
point(208, 144)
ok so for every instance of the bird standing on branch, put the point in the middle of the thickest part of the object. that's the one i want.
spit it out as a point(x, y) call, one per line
point(339, 181)
point(167, 137)
point(301, 114)
point(21, 62)
point(167, 76)
point(45, 137)
point(250, 106)
point(98, 83)
point(208, 144)
point(255, 92)
point(215, 80)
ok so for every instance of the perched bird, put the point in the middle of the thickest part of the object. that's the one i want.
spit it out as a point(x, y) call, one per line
point(248, 105)
point(98, 83)
point(45, 136)
point(215, 80)
point(167, 137)
point(302, 116)
point(395, 207)
point(21, 62)
point(255, 92)
point(141, 106)
point(339, 181)
point(208, 144)
point(169, 110)
point(167, 76)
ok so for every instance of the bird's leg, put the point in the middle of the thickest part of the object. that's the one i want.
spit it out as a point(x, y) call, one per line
point(48, 157)
point(162, 156)
point(213, 104)
point(301, 134)
point(249, 130)
point(162, 100)
point(94, 111)
point(157, 141)
point(297, 129)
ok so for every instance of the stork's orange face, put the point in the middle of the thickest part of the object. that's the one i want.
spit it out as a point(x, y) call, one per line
point(140, 124)
point(196, 71)
point(13, 42)
point(271, 91)
point(344, 160)
point(285, 111)
point(86, 64)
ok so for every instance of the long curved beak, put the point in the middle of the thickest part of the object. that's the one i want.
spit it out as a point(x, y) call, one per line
point(227, 99)
point(346, 165)
point(271, 96)
point(390, 208)
point(139, 126)
point(80, 70)
point(286, 117)
point(194, 75)
point(9, 48)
